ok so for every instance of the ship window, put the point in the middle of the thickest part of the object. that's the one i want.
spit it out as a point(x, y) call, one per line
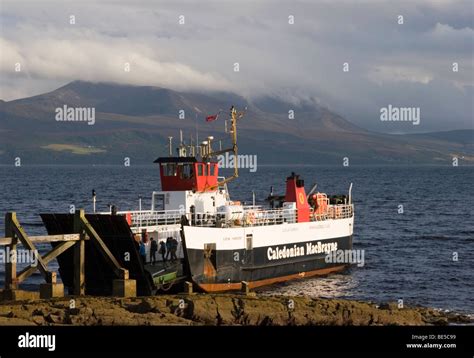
point(200, 169)
point(186, 171)
point(212, 169)
point(170, 170)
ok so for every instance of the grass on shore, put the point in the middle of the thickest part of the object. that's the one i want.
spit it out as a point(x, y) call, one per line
point(74, 149)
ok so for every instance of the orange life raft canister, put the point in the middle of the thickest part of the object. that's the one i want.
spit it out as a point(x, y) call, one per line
point(322, 202)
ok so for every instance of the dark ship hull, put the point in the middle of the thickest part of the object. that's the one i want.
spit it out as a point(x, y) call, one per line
point(220, 261)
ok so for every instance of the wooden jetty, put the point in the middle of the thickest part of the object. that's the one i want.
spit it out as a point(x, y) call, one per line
point(83, 232)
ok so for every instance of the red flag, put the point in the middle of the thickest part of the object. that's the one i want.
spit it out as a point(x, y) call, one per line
point(212, 118)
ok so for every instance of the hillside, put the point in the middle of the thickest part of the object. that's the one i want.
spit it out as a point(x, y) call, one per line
point(135, 121)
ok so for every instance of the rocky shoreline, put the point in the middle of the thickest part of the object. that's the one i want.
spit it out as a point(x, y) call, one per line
point(218, 309)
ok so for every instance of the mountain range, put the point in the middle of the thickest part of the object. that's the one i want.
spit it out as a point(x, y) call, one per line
point(135, 122)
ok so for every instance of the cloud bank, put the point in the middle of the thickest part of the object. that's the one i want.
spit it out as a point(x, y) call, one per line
point(195, 46)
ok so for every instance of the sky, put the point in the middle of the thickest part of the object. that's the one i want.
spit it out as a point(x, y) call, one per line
point(407, 64)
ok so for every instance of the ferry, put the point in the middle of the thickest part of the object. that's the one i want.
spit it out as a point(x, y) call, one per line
point(221, 241)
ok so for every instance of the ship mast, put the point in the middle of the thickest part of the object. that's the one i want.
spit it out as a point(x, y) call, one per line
point(234, 149)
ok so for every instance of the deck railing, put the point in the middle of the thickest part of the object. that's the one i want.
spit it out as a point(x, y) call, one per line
point(252, 216)
point(340, 211)
point(155, 218)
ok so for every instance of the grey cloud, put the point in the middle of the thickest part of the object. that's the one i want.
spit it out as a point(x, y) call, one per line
point(389, 63)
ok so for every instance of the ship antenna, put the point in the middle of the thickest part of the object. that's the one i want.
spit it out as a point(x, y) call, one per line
point(182, 145)
point(170, 146)
point(209, 145)
point(197, 132)
point(191, 146)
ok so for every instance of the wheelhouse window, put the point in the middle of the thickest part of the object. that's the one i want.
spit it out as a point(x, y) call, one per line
point(187, 171)
point(170, 169)
point(212, 168)
point(200, 170)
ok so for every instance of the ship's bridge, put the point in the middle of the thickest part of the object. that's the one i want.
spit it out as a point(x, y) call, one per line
point(187, 173)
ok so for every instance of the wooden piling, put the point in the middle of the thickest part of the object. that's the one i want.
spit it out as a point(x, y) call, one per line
point(79, 255)
point(10, 267)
